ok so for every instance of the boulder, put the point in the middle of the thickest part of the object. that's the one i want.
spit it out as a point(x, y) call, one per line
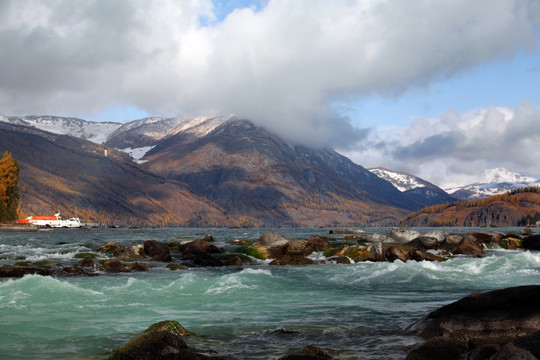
point(424, 242)
point(139, 267)
point(273, 244)
point(340, 259)
point(511, 352)
point(200, 245)
point(135, 252)
point(376, 238)
point(317, 243)
point(171, 326)
point(316, 351)
point(151, 346)
point(176, 267)
point(302, 357)
point(530, 343)
point(87, 263)
point(469, 246)
point(376, 251)
point(437, 234)
point(200, 258)
point(403, 236)
point(531, 242)
point(108, 247)
point(505, 314)
point(421, 255)
point(393, 253)
point(487, 237)
point(451, 242)
point(113, 265)
point(20, 271)
point(440, 348)
point(292, 260)
point(157, 251)
point(483, 352)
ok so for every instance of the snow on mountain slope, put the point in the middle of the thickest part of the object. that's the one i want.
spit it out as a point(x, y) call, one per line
point(401, 180)
point(96, 132)
point(495, 181)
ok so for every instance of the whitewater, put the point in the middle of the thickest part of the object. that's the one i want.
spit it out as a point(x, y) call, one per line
point(251, 312)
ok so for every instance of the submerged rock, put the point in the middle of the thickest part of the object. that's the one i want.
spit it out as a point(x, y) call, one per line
point(113, 265)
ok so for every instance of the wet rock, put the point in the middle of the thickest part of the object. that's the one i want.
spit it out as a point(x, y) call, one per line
point(316, 351)
point(440, 348)
point(317, 243)
point(340, 260)
point(403, 236)
point(86, 263)
point(511, 352)
point(20, 271)
point(140, 267)
point(292, 260)
point(483, 352)
point(157, 251)
point(232, 260)
point(272, 244)
point(199, 245)
point(424, 242)
point(437, 234)
point(113, 265)
point(451, 242)
point(421, 255)
point(151, 346)
point(530, 342)
point(495, 315)
point(469, 246)
point(393, 253)
point(376, 251)
point(171, 326)
point(176, 267)
point(73, 271)
point(511, 243)
point(108, 247)
point(531, 242)
point(486, 237)
point(135, 252)
point(376, 238)
point(301, 357)
point(200, 258)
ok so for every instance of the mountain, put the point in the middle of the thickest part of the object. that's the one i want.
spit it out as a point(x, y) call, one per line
point(515, 208)
point(252, 173)
point(96, 132)
point(97, 183)
point(495, 181)
point(420, 192)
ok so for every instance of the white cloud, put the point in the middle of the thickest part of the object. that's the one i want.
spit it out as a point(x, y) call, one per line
point(457, 148)
point(280, 66)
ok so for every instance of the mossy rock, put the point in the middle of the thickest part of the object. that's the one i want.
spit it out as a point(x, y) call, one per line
point(85, 255)
point(256, 252)
point(151, 345)
point(511, 243)
point(46, 263)
point(243, 257)
point(171, 326)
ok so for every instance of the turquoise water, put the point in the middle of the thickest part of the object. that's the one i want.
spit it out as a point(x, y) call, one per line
point(359, 309)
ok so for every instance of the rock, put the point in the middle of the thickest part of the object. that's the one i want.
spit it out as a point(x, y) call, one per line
point(316, 351)
point(157, 251)
point(393, 253)
point(511, 243)
point(530, 342)
point(135, 252)
point(424, 242)
point(469, 246)
point(340, 260)
point(376, 238)
point(511, 352)
point(139, 267)
point(353, 238)
point(495, 315)
point(108, 247)
point(151, 346)
point(487, 237)
point(171, 326)
point(440, 348)
point(73, 271)
point(451, 242)
point(20, 271)
point(113, 265)
point(176, 267)
point(297, 247)
point(531, 242)
point(200, 245)
point(437, 234)
point(200, 258)
point(317, 243)
point(88, 263)
point(272, 243)
point(292, 260)
point(302, 357)
point(346, 231)
point(376, 251)
point(403, 236)
point(483, 352)
point(421, 255)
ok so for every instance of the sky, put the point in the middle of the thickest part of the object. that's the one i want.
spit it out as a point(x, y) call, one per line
point(441, 89)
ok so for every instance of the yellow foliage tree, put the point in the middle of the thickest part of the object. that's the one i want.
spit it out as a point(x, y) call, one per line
point(9, 188)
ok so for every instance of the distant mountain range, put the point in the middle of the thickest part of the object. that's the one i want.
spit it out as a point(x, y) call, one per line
point(496, 181)
point(199, 171)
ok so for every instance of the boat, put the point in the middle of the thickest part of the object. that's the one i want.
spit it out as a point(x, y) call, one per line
point(54, 221)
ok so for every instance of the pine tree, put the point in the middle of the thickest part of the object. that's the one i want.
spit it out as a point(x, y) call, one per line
point(9, 188)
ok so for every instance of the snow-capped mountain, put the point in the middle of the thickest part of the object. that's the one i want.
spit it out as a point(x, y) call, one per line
point(495, 181)
point(413, 186)
point(96, 132)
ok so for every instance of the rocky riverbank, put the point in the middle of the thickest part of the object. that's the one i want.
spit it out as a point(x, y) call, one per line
point(274, 249)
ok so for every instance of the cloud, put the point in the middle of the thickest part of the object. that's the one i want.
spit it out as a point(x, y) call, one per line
point(457, 148)
point(281, 65)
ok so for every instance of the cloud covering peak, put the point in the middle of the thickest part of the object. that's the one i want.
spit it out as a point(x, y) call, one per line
point(281, 65)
